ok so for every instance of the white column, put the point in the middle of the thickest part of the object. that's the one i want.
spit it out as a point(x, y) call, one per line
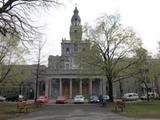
point(38, 86)
point(90, 86)
point(46, 88)
point(104, 86)
point(70, 88)
point(80, 86)
point(60, 86)
point(50, 88)
point(101, 86)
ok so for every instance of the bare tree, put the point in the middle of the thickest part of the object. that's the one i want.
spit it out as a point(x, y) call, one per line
point(15, 17)
point(37, 73)
point(111, 48)
point(16, 28)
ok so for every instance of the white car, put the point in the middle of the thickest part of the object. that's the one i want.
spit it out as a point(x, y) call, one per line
point(79, 99)
point(150, 94)
point(130, 97)
point(2, 99)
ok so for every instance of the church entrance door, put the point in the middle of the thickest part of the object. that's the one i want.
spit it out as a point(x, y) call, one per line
point(75, 87)
point(65, 87)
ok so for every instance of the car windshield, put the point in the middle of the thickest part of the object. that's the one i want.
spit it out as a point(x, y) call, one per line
point(94, 97)
point(79, 96)
point(61, 97)
point(105, 96)
point(41, 97)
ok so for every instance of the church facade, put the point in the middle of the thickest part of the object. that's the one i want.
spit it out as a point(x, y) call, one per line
point(62, 76)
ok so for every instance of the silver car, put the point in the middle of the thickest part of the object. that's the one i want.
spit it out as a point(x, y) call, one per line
point(2, 98)
point(79, 99)
point(130, 97)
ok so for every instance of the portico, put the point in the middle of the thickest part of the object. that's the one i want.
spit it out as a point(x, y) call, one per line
point(74, 86)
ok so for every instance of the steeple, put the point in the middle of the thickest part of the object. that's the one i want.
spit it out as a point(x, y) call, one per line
point(75, 28)
point(76, 20)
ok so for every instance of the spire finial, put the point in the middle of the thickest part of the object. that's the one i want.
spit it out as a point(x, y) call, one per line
point(76, 10)
point(75, 4)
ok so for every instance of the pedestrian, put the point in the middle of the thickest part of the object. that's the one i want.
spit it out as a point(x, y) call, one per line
point(101, 98)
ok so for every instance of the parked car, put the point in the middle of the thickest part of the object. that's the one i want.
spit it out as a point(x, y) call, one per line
point(93, 99)
point(12, 98)
point(151, 95)
point(79, 99)
point(20, 96)
point(130, 97)
point(42, 99)
point(61, 100)
point(105, 97)
point(2, 99)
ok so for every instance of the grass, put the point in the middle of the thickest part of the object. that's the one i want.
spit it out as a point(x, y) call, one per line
point(9, 110)
point(139, 110)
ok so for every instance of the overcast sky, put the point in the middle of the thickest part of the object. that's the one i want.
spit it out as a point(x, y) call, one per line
point(142, 15)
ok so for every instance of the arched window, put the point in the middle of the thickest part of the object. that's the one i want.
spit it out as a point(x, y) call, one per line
point(75, 47)
point(67, 51)
point(67, 66)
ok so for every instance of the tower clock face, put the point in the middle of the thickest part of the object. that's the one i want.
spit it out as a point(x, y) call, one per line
point(74, 30)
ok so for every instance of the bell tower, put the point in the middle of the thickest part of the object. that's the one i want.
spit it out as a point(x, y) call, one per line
point(75, 27)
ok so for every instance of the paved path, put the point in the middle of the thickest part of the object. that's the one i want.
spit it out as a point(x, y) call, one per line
point(74, 112)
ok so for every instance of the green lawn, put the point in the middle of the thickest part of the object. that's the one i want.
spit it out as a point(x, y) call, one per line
point(9, 110)
point(141, 110)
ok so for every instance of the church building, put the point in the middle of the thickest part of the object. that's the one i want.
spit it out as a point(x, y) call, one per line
point(62, 76)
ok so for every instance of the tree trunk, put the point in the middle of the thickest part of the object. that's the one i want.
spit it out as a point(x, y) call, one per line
point(110, 90)
point(120, 88)
point(157, 86)
point(147, 90)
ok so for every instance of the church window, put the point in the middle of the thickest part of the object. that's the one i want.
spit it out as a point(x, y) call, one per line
point(75, 47)
point(67, 51)
point(56, 66)
point(67, 66)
